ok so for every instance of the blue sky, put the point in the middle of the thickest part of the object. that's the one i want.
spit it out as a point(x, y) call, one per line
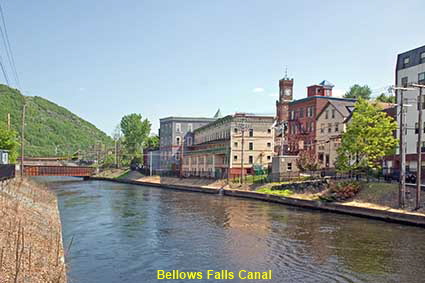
point(104, 59)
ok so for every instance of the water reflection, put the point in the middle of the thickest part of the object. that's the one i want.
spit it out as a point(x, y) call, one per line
point(125, 233)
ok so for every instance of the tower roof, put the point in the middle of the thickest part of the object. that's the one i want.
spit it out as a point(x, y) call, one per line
point(326, 83)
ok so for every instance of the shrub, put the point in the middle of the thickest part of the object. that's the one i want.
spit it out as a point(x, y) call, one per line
point(339, 191)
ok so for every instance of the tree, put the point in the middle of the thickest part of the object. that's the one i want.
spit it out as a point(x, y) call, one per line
point(386, 98)
point(136, 132)
point(8, 141)
point(368, 138)
point(153, 142)
point(307, 161)
point(358, 91)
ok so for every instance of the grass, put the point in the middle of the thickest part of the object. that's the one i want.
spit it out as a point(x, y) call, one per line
point(282, 193)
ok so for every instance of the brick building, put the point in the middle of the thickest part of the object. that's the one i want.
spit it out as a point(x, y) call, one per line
point(300, 115)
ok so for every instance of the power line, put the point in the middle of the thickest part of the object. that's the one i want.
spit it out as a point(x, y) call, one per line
point(9, 52)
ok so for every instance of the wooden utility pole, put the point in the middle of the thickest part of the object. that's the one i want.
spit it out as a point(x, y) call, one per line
point(242, 125)
point(23, 138)
point(8, 121)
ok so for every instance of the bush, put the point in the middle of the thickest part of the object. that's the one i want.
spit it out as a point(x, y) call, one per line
point(339, 191)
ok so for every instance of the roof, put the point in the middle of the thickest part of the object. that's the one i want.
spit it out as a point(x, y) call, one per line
point(343, 107)
point(326, 83)
point(414, 56)
point(188, 119)
point(322, 97)
point(228, 118)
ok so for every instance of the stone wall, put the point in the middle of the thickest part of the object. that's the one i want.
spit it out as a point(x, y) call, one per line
point(313, 186)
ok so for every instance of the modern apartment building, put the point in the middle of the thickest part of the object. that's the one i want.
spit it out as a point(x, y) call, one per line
point(331, 123)
point(221, 147)
point(410, 69)
point(172, 132)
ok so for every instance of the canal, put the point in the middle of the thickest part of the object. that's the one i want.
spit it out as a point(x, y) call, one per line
point(125, 233)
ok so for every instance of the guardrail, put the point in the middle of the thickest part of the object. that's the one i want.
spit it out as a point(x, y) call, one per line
point(7, 171)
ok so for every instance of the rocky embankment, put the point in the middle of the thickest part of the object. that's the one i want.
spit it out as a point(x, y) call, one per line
point(31, 248)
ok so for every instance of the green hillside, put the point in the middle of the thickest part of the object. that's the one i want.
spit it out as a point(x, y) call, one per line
point(50, 128)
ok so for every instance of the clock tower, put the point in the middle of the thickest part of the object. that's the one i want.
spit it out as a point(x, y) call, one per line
point(285, 96)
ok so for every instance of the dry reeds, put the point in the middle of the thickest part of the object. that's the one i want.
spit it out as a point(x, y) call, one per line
point(30, 234)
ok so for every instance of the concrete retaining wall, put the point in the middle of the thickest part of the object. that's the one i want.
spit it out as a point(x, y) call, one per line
point(384, 215)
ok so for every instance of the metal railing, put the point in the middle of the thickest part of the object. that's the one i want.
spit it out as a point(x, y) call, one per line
point(7, 171)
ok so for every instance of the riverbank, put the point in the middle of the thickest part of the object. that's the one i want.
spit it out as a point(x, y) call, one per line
point(31, 248)
point(358, 205)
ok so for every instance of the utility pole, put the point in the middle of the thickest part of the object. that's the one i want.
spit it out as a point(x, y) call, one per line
point(242, 126)
point(115, 155)
point(8, 121)
point(23, 138)
point(419, 166)
point(402, 187)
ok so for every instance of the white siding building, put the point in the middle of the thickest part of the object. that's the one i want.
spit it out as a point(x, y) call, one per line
point(410, 70)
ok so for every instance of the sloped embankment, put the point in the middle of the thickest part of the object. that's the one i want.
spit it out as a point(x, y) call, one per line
point(31, 247)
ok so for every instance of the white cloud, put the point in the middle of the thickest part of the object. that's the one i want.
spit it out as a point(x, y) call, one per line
point(258, 90)
point(338, 92)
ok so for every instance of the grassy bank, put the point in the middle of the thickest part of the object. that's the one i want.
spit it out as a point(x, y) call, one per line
point(31, 247)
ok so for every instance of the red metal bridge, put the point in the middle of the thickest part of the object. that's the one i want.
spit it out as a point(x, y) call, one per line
point(46, 170)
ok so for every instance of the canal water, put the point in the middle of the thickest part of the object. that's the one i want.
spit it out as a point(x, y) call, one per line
point(125, 233)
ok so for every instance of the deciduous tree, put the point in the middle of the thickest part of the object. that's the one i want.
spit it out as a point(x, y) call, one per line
point(368, 138)
point(8, 141)
point(136, 132)
point(358, 91)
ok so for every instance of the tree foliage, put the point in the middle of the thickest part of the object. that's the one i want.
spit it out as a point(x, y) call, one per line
point(136, 132)
point(307, 161)
point(48, 125)
point(153, 142)
point(8, 141)
point(386, 98)
point(357, 91)
point(368, 138)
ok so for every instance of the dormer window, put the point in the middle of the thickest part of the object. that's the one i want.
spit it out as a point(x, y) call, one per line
point(406, 61)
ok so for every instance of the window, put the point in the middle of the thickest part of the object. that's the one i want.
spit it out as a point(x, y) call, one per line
point(336, 127)
point(421, 78)
point(251, 132)
point(178, 127)
point(189, 140)
point(235, 144)
point(235, 157)
point(269, 131)
point(404, 81)
point(269, 144)
point(236, 130)
point(301, 112)
point(251, 146)
point(422, 57)
point(269, 157)
point(289, 166)
point(416, 128)
point(251, 159)
point(329, 127)
point(178, 140)
point(190, 127)
point(406, 62)
point(322, 128)
point(311, 127)
point(326, 114)
point(333, 113)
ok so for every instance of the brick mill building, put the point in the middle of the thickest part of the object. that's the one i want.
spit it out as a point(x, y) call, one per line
point(300, 116)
